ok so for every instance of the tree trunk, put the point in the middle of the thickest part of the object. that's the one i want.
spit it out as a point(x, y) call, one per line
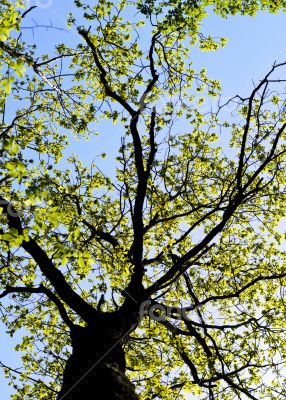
point(96, 368)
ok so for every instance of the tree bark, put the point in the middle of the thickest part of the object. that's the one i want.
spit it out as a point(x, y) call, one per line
point(96, 367)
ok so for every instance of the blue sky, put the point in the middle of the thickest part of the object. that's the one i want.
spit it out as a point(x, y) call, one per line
point(253, 45)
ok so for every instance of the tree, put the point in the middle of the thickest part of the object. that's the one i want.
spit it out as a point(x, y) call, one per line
point(166, 277)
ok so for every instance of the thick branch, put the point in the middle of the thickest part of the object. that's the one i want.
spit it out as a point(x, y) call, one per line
point(109, 92)
point(56, 278)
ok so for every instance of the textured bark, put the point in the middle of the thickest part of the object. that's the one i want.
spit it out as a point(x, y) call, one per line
point(96, 368)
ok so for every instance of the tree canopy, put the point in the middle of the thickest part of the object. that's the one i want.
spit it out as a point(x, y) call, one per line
point(176, 255)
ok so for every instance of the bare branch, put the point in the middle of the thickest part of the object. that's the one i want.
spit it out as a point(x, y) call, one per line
point(47, 292)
